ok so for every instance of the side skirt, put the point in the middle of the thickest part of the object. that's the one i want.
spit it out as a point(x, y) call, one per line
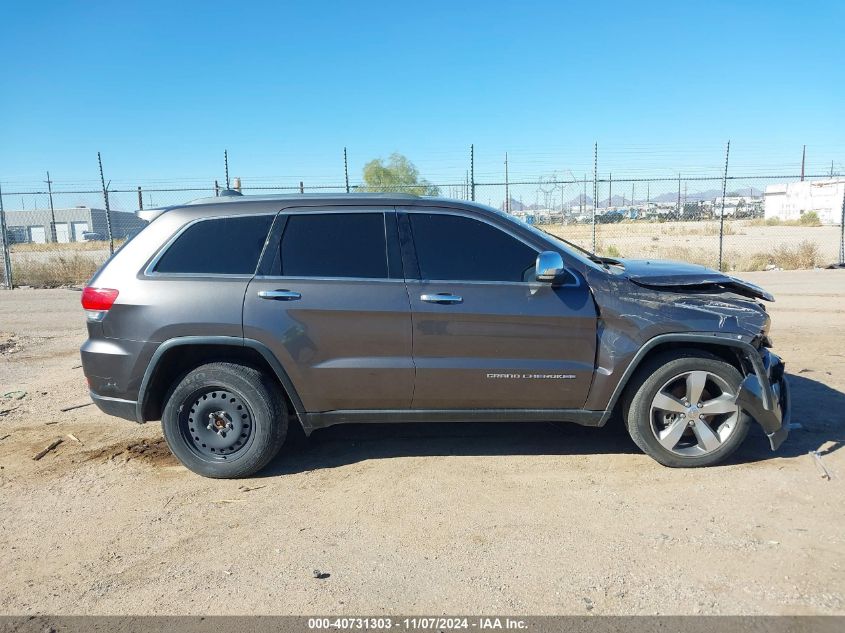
point(314, 421)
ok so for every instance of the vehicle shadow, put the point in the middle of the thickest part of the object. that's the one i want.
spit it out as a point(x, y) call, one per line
point(818, 418)
point(814, 405)
point(351, 443)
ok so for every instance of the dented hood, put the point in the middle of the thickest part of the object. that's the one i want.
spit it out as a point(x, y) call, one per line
point(668, 275)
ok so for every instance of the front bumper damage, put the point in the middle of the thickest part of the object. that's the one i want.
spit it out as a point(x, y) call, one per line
point(764, 395)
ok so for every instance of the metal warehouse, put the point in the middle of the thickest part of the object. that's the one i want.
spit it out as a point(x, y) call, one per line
point(791, 200)
point(77, 224)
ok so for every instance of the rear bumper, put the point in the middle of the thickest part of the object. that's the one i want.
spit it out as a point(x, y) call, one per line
point(764, 395)
point(113, 369)
point(115, 406)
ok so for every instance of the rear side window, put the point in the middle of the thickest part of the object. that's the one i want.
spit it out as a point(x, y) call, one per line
point(334, 245)
point(456, 248)
point(223, 246)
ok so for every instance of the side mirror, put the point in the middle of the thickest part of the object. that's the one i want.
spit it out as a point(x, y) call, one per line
point(549, 266)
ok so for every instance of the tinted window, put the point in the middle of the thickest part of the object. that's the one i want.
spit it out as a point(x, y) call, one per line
point(229, 246)
point(334, 245)
point(450, 247)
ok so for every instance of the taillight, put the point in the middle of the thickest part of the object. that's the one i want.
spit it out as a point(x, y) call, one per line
point(97, 301)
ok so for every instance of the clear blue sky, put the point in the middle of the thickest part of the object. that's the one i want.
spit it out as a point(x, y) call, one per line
point(162, 88)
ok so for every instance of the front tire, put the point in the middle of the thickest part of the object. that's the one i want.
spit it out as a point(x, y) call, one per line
point(225, 421)
point(682, 411)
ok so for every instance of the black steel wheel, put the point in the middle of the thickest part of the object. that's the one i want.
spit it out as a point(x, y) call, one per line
point(218, 424)
point(225, 420)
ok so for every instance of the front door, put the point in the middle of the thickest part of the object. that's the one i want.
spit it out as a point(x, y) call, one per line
point(330, 302)
point(486, 335)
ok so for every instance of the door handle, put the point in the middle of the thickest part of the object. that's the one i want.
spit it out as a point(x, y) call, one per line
point(279, 295)
point(441, 297)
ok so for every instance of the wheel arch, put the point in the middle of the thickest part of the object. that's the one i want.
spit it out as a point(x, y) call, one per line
point(176, 356)
point(734, 351)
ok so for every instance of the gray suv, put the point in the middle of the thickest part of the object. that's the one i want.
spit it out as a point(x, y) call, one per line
point(231, 318)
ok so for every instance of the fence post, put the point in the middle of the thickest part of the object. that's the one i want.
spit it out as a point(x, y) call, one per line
point(301, 187)
point(678, 208)
point(595, 189)
point(4, 238)
point(507, 187)
point(472, 172)
point(842, 230)
point(722, 212)
point(346, 169)
point(106, 199)
point(140, 200)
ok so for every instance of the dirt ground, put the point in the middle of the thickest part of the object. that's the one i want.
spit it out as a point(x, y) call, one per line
point(748, 245)
point(482, 518)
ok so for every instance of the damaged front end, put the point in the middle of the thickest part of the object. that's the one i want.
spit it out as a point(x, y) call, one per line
point(764, 395)
point(645, 305)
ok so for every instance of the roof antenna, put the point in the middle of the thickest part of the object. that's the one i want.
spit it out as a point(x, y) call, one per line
point(228, 191)
point(226, 165)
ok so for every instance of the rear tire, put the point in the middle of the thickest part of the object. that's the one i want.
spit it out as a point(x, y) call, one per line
point(680, 409)
point(225, 421)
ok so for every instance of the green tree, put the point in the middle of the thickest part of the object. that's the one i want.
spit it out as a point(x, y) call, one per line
point(397, 175)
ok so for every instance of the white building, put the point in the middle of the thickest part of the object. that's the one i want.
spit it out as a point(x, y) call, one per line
point(68, 225)
point(791, 200)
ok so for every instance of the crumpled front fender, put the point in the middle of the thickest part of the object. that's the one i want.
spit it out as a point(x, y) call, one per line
point(765, 397)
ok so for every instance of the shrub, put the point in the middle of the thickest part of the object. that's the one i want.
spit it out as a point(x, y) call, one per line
point(803, 255)
point(53, 271)
point(811, 218)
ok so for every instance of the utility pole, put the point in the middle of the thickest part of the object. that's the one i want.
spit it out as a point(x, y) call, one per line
point(52, 211)
point(346, 169)
point(803, 156)
point(106, 198)
point(472, 171)
point(507, 187)
point(722, 214)
point(4, 239)
point(226, 165)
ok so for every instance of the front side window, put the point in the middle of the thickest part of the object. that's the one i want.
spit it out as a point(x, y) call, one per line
point(220, 246)
point(457, 248)
point(334, 245)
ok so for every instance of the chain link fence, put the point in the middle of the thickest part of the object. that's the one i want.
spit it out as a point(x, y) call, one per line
point(750, 227)
point(54, 238)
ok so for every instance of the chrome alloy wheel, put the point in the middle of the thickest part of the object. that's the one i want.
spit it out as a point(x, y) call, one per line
point(694, 413)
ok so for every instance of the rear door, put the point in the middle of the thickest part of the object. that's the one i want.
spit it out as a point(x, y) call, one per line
point(486, 335)
point(330, 302)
